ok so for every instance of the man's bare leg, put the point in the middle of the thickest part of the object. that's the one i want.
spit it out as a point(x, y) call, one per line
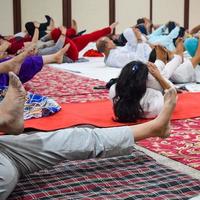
point(160, 126)
point(56, 57)
point(12, 107)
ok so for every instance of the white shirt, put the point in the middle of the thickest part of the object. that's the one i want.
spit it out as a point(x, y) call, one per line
point(132, 51)
point(153, 100)
point(151, 103)
point(186, 72)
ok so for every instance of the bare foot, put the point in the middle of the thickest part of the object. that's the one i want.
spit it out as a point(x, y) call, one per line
point(59, 55)
point(74, 25)
point(63, 30)
point(163, 120)
point(36, 24)
point(113, 26)
point(12, 107)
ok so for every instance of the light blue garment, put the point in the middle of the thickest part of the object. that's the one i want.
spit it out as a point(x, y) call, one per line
point(160, 36)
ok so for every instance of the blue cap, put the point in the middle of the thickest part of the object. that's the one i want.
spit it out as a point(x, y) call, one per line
point(191, 45)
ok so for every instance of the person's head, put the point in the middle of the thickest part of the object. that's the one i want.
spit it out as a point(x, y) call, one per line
point(170, 26)
point(142, 28)
point(140, 21)
point(152, 56)
point(130, 88)
point(104, 44)
point(30, 28)
point(159, 52)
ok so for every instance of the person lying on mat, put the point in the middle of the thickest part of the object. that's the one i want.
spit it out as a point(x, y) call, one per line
point(132, 97)
point(166, 35)
point(26, 153)
point(15, 44)
point(135, 49)
point(26, 67)
point(189, 69)
point(80, 42)
point(43, 28)
point(143, 24)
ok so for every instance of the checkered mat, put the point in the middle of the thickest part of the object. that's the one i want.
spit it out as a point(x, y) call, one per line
point(129, 177)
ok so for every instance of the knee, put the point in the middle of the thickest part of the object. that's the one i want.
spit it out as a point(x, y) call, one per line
point(8, 177)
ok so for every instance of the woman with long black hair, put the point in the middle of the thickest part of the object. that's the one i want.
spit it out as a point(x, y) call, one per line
point(131, 96)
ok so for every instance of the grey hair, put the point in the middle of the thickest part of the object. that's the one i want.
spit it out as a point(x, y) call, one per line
point(101, 45)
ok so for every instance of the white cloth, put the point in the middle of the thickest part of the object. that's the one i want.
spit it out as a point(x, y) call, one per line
point(186, 73)
point(121, 56)
point(166, 71)
point(151, 103)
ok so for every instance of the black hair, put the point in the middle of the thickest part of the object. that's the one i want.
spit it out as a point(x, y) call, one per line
point(152, 56)
point(142, 28)
point(2, 37)
point(30, 27)
point(130, 88)
point(121, 41)
point(181, 34)
point(140, 21)
point(171, 25)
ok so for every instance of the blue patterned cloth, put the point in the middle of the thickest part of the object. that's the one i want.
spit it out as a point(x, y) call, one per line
point(36, 106)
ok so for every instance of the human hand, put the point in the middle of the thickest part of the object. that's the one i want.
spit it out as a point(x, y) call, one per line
point(153, 70)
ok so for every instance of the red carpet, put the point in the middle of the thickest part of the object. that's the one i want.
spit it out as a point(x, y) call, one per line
point(65, 87)
point(100, 113)
point(183, 145)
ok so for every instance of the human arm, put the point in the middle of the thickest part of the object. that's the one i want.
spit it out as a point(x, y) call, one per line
point(4, 45)
point(46, 38)
point(154, 71)
point(196, 29)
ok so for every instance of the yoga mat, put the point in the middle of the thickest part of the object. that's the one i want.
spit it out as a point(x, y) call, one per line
point(100, 114)
point(136, 176)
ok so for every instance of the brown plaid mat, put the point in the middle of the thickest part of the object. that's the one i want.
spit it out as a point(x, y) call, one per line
point(128, 177)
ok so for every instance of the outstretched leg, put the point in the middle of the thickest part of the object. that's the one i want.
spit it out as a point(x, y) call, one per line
point(13, 64)
point(56, 57)
point(160, 126)
point(12, 107)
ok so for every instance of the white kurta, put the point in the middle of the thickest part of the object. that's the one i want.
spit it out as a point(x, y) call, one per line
point(151, 103)
point(132, 51)
point(186, 73)
point(166, 70)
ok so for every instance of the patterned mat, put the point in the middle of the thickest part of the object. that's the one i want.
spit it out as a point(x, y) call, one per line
point(183, 145)
point(65, 87)
point(129, 177)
